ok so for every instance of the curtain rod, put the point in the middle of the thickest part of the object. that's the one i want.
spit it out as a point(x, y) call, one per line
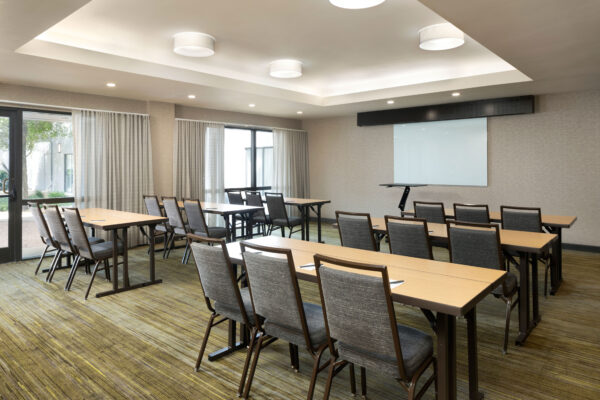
point(238, 125)
point(68, 108)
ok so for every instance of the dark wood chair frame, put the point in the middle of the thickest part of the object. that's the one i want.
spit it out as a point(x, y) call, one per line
point(507, 300)
point(264, 340)
point(421, 220)
point(64, 249)
point(45, 240)
point(336, 366)
point(374, 242)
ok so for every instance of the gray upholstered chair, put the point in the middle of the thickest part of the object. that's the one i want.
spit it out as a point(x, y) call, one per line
point(45, 235)
point(176, 224)
point(60, 236)
point(153, 208)
point(259, 218)
point(479, 245)
point(276, 296)
point(432, 212)
point(478, 213)
point(279, 216)
point(197, 225)
point(408, 237)
point(356, 231)
point(96, 253)
point(360, 316)
point(222, 295)
point(528, 219)
point(235, 197)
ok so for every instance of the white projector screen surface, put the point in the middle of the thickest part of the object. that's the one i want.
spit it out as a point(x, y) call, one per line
point(441, 152)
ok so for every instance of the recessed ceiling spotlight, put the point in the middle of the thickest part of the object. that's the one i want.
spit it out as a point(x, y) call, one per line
point(191, 96)
point(390, 101)
point(441, 37)
point(455, 94)
point(356, 4)
point(111, 84)
point(251, 105)
point(285, 69)
point(194, 44)
point(299, 112)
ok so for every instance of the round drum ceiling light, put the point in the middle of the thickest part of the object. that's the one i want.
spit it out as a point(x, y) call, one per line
point(441, 37)
point(194, 44)
point(356, 4)
point(285, 69)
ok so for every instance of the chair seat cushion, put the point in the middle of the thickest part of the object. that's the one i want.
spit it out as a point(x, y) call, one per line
point(261, 218)
point(213, 232)
point(510, 283)
point(179, 231)
point(314, 321)
point(294, 221)
point(95, 240)
point(160, 228)
point(105, 249)
point(234, 313)
point(416, 348)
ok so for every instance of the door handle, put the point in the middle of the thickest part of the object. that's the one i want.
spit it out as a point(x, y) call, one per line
point(4, 185)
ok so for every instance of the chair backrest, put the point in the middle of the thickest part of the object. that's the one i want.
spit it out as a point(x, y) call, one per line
point(355, 230)
point(216, 274)
point(173, 212)
point(475, 244)
point(254, 199)
point(78, 234)
point(358, 308)
point(152, 205)
point(432, 212)
point(478, 213)
point(276, 206)
point(41, 224)
point(521, 218)
point(408, 237)
point(235, 198)
point(57, 228)
point(195, 216)
point(274, 287)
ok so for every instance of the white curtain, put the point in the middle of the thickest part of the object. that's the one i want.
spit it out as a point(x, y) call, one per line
point(290, 163)
point(199, 163)
point(113, 162)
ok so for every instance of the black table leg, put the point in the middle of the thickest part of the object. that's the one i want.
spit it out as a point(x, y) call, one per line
point(446, 359)
point(524, 320)
point(556, 267)
point(534, 290)
point(319, 223)
point(474, 393)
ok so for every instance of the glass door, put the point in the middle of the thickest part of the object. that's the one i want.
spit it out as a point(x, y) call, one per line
point(9, 215)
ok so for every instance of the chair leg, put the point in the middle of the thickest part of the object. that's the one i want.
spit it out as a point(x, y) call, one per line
point(313, 378)
point(41, 259)
point(167, 249)
point(204, 341)
point(282, 231)
point(352, 380)
point(330, 378)
point(185, 252)
point(107, 270)
point(54, 265)
point(71, 276)
point(363, 382)
point(253, 332)
point(253, 367)
point(507, 327)
point(87, 292)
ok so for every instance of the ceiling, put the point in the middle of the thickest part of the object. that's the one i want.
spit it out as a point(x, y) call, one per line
point(354, 60)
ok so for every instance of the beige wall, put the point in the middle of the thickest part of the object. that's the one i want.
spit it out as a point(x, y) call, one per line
point(162, 124)
point(549, 159)
point(205, 114)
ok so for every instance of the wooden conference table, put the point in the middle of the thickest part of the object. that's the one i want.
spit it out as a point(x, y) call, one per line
point(449, 290)
point(113, 221)
point(527, 245)
point(553, 224)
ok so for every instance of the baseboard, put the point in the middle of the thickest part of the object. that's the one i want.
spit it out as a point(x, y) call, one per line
point(581, 247)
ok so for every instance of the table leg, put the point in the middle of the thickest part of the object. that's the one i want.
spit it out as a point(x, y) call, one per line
point(228, 228)
point(534, 290)
point(152, 266)
point(125, 260)
point(524, 320)
point(474, 393)
point(556, 267)
point(319, 223)
point(115, 238)
point(232, 345)
point(446, 359)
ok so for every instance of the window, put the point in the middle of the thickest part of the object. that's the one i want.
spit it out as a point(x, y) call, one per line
point(248, 157)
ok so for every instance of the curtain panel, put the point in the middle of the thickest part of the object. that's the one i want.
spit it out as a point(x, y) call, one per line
point(290, 163)
point(113, 162)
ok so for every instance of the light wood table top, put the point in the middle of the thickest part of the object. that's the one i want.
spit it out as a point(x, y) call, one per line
point(530, 242)
point(223, 208)
point(438, 286)
point(101, 218)
point(303, 202)
point(559, 221)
